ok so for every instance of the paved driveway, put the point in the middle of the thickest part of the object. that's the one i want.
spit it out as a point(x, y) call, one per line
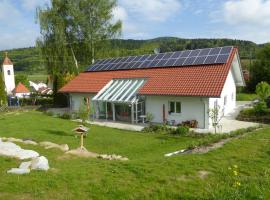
point(229, 123)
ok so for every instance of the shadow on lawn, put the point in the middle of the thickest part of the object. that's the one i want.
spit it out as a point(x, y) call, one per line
point(59, 133)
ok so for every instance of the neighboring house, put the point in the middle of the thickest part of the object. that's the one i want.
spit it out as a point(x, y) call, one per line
point(8, 75)
point(40, 88)
point(21, 91)
point(173, 87)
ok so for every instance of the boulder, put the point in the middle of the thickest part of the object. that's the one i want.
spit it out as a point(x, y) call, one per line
point(49, 145)
point(18, 171)
point(12, 150)
point(40, 163)
point(25, 165)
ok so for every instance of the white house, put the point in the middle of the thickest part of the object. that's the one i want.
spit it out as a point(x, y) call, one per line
point(173, 87)
point(8, 75)
point(21, 91)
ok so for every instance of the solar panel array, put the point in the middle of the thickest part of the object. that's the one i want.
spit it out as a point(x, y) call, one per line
point(218, 55)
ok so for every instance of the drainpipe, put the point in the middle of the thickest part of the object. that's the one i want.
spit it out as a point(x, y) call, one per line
point(205, 110)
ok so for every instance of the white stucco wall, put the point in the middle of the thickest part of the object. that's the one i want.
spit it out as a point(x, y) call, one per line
point(76, 99)
point(229, 91)
point(22, 95)
point(192, 108)
point(8, 79)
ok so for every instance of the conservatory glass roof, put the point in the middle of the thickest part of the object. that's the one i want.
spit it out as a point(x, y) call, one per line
point(120, 91)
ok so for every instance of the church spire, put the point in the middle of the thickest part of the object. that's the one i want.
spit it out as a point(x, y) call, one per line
point(7, 61)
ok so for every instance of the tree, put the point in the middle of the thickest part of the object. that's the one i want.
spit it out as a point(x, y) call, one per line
point(214, 116)
point(260, 70)
point(84, 112)
point(263, 90)
point(22, 78)
point(72, 32)
point(3, 94)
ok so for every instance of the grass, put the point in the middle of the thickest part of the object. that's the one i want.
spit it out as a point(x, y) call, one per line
point(38, 77)
point(245, 96)
point(147, 174)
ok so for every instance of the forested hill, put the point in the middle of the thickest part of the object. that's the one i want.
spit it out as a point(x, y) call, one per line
point(30, 61)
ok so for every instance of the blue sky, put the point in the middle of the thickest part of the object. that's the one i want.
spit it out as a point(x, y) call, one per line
point(144, 19)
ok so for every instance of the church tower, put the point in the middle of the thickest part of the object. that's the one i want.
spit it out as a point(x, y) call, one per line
point(8, 75)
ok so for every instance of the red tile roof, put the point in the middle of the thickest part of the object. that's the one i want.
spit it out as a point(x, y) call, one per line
point(202, 80)
point(7, 61)
point(20, 88)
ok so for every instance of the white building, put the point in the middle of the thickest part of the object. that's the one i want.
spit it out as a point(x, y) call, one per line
point(174, 87)
point(8, 75)
point(21, 91)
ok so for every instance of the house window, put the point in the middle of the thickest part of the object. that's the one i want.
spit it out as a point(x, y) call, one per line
point(232, 96)
point(8, 72)
point(175, 106)
point(225, 100)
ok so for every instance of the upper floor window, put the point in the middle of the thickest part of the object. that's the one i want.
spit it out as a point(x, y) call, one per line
point(175, 107)
point(225, 100)
point(8, 72)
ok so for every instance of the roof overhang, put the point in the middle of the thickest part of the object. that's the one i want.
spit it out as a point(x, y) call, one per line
point(237, 72)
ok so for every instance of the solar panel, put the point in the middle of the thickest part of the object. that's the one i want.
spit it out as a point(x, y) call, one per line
point(195, 52)
point(162, 63)
point(204, 52)
point(179, 62)
point(171, 62)
point(222, 58)
point(210, 59)
point(160, 56)
point(185, 54)
point(207, 56)
point(200, 60)
point(215, 51)
point(189, 61)
point(176, 54)
point(168, 55)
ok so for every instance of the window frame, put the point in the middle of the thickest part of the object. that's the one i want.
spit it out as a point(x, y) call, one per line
point(174, 109)
point(8, 72)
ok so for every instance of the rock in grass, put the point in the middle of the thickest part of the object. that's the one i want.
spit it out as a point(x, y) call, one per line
point(49, 145)
point(40, 163)
point(25, 165)
point(12, 150)
point(18, 171)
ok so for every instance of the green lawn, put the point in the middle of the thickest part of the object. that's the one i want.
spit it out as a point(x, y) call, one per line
point(38, 77)
point(245, 96)
point(147, 174)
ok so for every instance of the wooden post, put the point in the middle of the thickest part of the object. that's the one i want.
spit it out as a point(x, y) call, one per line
point(132, 113)
point(113, 109)
point(82, 147)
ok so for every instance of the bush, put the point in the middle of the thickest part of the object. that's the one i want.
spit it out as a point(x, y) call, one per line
point(156, 129)
point(260, 108)
point(36, 101)
point(66, 116)
point(181, 130)
point(49, 113)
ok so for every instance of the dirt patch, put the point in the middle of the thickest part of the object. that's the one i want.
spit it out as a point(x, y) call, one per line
point(205, 149)
point(203, 174)
point(82, 153)
point(88, 154)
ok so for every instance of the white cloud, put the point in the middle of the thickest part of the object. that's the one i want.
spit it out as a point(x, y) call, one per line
point(247, 12)
point(152, 10)
point(17, 30)
point(8, 13)
point(119, 13)
point(33, 4)
point(243, 19)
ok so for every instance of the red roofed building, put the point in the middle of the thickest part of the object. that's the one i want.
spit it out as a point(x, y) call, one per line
point(173, 87)
point(21, 91)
